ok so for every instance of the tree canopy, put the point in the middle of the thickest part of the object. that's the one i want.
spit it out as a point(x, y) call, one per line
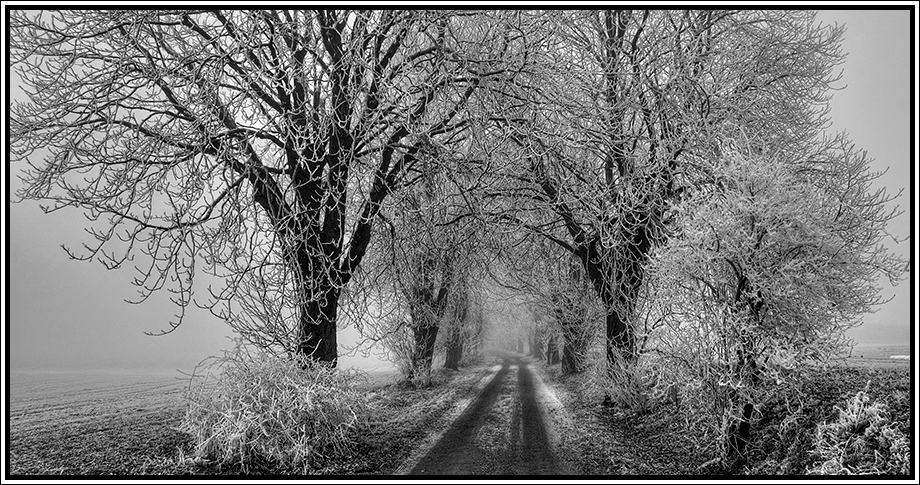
point(275, 149)
point(258, 145)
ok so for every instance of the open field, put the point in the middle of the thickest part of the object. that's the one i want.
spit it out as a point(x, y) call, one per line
point(880, 356)
point(70, 422)
point(41, 399)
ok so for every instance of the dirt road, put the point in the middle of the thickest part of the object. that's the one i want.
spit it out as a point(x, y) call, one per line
point(502, 432)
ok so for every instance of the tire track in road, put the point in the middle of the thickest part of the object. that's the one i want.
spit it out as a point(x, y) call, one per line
point(535, 456)
point(527, 450)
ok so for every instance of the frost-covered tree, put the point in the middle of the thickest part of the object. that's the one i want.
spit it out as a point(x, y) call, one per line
point(771, 265)
point(620, 114)
point(428, 260)
point(258, 146)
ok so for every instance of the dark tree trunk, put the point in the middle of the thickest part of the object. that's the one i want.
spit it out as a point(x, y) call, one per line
point(425, 337)
point(619, 297)
point(537, 347)
point(571, 348)
point(454, 350)
point(426, 316)
point(739, 430)
point(317, 329)
point(568, 359)
point(739, 435)
point(573, 343)
point(617, 282)
point(619, 339)
point(552, 353)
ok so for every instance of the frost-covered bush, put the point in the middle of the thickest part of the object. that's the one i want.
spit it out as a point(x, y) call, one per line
point(259, 409)
point(862, 441)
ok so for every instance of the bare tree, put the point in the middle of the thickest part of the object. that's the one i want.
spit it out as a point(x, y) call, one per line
point(428, 261)
point(575, 314)
point(258, 146)
point(463, 332)
point(617, 120)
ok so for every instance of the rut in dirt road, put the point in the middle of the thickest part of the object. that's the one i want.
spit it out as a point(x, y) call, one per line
point(501, 433)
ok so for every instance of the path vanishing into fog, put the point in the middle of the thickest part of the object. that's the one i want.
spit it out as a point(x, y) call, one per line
point(502, 432)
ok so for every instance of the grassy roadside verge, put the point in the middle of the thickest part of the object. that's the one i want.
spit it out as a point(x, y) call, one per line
point(146, 443)
point(595, 440)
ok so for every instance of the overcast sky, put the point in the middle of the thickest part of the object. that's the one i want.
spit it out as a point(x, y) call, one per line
point(66, 314)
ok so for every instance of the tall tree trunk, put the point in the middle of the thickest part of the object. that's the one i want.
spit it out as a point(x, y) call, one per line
point(454, 350)
point(572, 346)
point(530, 344)
point(317, 329)
point(426, 312)
point(618, 288)
point(568, 358)
point(552, 353)
point(617, 278)
point(425, 337)
point(538, 346)
point(620, 341)
point(738, 434)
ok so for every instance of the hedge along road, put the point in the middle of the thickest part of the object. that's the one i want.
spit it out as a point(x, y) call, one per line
point(502, 432)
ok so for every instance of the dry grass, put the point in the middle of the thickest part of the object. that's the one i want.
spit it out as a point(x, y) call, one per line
point(597, 440)
point(259, 411)
point(131, 428)
point(786, 438)
point(861, 441)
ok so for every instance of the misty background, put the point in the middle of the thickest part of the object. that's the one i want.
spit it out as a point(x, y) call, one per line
point(71, 315)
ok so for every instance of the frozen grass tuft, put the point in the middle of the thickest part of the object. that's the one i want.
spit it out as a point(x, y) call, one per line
point(260, 410)
point(861, 441)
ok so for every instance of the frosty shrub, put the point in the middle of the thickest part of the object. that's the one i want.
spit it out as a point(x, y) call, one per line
point(258, 409)
point(862, 441)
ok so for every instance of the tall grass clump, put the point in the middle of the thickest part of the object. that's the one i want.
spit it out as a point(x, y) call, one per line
point(257, 410)
point(861, 441)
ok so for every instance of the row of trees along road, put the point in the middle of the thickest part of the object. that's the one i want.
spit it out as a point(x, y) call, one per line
point(312, 159)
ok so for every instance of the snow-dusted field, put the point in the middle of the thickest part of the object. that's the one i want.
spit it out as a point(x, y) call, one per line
point(40, 400)
point(880, 355)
